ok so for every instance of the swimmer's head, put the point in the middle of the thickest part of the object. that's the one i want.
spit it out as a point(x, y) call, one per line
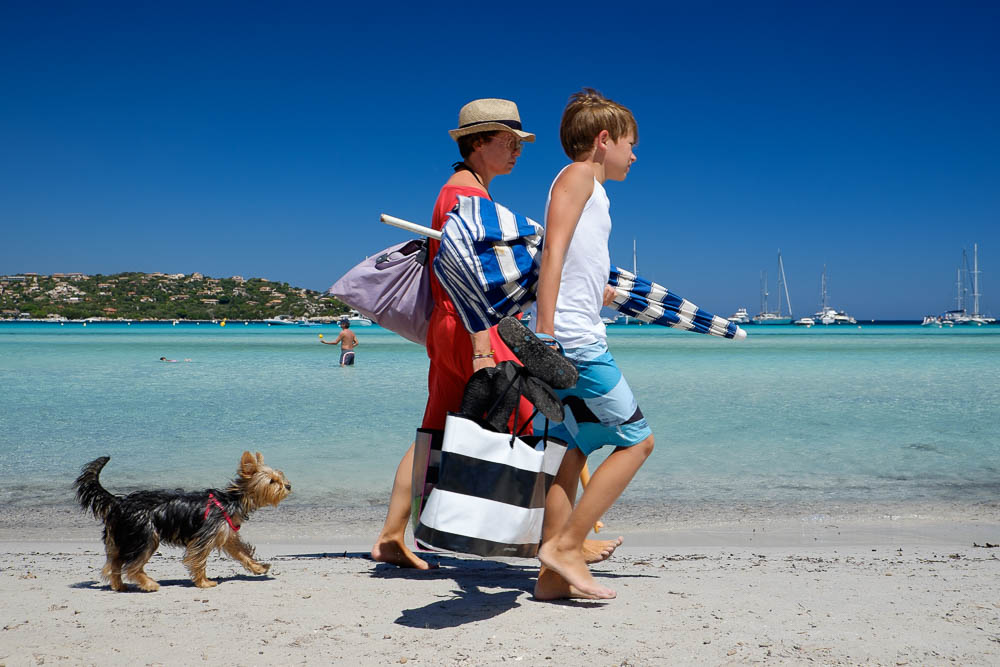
point(345, 324)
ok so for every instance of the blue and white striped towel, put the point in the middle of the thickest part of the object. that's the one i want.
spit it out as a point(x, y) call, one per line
point(486, 261)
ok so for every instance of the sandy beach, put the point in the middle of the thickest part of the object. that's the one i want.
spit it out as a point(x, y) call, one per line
point(887, 589)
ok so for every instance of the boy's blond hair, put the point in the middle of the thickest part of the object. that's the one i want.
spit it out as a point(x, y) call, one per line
point(587, 113)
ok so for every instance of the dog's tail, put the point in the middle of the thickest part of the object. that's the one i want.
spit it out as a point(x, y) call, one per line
point(90, 493)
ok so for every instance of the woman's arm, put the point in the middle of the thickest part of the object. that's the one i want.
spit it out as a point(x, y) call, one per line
point(482, 354)
point(569, 195)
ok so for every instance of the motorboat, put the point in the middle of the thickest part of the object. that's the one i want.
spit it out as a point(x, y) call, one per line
point(279, 320)
point(828, 315)
point(739, 317)
point(356, 319)
point(308, 323)
point(804, 322)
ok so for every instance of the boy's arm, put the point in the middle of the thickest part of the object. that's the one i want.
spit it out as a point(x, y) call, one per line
point(570, 193)
point(339, 338)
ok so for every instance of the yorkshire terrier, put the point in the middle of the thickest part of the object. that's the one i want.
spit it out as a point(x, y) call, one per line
point(200, 521)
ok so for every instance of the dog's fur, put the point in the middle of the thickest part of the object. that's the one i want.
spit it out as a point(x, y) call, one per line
point(200, 521)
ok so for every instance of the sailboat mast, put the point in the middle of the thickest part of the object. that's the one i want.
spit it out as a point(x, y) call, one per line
point(784, 284)
point(635, 271)
point(958, 288)
point(823, 290)
point(975, 279)
point(763, 291)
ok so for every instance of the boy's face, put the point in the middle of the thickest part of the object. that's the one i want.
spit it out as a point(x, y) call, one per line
point(619, 158)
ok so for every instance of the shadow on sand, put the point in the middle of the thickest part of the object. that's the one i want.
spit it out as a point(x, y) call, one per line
point(468, 602)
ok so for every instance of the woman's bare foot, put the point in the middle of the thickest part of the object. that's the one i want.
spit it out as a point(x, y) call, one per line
point(570, 565)
point(550, 586)
point(594, 551)
point(396, 552)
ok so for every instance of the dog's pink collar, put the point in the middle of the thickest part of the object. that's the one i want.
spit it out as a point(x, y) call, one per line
point(208, 509)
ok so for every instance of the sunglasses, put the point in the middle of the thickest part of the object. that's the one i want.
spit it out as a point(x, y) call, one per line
point(510, 142)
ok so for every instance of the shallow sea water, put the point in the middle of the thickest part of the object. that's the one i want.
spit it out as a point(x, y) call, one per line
point(817, 418)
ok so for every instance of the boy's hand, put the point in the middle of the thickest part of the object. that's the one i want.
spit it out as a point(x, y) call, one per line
point(609, 295)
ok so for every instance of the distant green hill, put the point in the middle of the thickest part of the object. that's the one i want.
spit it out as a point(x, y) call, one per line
point(159, 296)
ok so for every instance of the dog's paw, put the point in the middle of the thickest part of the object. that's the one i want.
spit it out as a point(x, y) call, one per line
point(205, 583)
point(259, 568)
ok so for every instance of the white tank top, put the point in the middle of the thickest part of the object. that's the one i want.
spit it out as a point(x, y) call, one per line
point(585, 273)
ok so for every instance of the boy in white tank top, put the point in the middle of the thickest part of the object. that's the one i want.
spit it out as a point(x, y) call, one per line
point(598, 135)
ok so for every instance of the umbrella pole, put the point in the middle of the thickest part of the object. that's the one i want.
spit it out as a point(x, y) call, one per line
point(585, 480)
point(411, 227)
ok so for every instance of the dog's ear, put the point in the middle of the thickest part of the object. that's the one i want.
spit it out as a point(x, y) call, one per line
point(260, 459)
point(248, 464)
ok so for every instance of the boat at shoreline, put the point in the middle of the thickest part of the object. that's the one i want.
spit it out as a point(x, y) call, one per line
point(766, 316)
point(279, 320)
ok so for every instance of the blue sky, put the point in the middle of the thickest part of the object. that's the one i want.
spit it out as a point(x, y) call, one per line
point(264, 140)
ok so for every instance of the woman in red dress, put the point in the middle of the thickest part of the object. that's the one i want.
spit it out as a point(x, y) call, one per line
point(489, 140)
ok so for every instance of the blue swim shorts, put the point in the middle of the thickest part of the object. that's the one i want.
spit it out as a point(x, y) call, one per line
point(600, 410)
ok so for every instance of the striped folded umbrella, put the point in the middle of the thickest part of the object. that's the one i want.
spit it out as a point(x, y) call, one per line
point(649, 302)
point(486, 261)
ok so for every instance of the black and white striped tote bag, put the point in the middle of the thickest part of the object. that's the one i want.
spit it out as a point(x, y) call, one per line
point(490, 494)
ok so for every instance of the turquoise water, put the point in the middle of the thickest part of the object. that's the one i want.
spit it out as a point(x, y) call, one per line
point(818, 417)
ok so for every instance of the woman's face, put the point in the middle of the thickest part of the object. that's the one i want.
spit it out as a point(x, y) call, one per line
point(500, 153)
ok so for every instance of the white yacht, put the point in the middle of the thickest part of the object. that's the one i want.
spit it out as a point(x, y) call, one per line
point(739, 317)
point(279, 320)
point(804, 322)
point(828, 315)
point(356, 319)
point(765, 316)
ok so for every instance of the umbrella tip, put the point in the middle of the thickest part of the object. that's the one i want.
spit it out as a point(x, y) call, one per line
point(740, 334)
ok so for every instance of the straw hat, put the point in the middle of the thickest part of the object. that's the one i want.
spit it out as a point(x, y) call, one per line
point(487, 115)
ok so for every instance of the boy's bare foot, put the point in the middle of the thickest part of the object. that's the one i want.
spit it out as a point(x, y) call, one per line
point(594, 551)
point(397, 553)
point(570, 565)
point(550, 586)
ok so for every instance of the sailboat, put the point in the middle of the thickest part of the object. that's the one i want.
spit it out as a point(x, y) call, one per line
point(960, 314)
point(766, 316)
point(828, 315)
